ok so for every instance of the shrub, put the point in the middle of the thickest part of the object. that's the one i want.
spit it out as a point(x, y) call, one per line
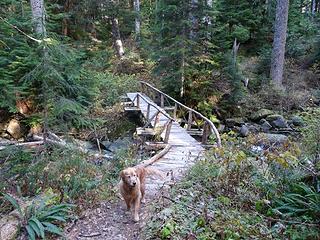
point(41, 218)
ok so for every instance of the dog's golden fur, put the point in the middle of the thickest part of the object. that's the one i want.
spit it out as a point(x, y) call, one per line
point(132, 187)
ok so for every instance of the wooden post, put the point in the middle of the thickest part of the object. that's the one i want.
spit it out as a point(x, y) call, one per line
point(150, 120)
point(161, 100)
point(167, 134)
point(148, 112)
point(138, 101)
point(175, 111)
point(189, 120)
point(205, 134)
point(157, 119)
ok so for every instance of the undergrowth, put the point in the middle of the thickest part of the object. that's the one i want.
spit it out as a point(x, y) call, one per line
point(68, 175)
point(237, 193)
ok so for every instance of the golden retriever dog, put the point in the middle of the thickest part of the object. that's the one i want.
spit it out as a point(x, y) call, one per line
point(132, 187)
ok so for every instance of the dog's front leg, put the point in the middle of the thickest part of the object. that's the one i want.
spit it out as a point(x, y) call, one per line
point(128, 203)
point(136, 210)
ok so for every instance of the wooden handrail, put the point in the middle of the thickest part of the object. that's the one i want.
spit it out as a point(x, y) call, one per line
point(153, 105)
point(213, 128)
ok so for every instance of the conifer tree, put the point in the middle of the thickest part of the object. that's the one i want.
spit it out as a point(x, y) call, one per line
point(279, 42)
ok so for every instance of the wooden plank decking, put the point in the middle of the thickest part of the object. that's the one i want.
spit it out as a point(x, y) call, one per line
point(185, 150)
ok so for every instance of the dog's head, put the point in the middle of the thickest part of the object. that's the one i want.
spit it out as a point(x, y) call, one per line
point(130, 176)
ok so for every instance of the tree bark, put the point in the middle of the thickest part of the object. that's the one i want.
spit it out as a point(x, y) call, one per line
point(117, 37)
point(313, 10)
point(38, 17)
point(193, 19)
point(279, 42)
point(137, 24)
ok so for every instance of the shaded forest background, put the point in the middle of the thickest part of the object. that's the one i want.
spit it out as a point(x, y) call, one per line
point(64, 64)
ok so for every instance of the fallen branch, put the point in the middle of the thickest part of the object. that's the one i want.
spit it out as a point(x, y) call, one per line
point(90, 235)
point(155, 157)
point(290, 221)
point(22, 144)
point(60, 143)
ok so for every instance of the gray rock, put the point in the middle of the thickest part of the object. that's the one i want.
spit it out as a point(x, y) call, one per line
point(120, 143)
point(254, 128)
point(262, 113)
point(266, 126)
point(244, 131)
point(297, 121)
point(277, 121)
point(270, 138)
point(232, 122)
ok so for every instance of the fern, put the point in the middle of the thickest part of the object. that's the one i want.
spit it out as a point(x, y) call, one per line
point(302, 200)
point(40, 218)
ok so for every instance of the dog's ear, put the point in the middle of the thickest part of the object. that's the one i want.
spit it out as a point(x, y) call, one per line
point(121, 174)
point(139, 171)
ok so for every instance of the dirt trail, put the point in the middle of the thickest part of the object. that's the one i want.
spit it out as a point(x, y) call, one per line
point(111, 221)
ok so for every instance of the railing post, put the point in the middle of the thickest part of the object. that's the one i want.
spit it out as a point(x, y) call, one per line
point(157, 119)
point(161, 100)
point(205, 133)
point(189, 120)
point(138, 101)
point(175, 111)
point(148, 112)
point(167, 134)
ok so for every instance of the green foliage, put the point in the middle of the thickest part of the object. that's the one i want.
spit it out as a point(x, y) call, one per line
point(16, 51)
point(302, 32)
point(302, 201)
point(41, 218)
point(234, 77)
point(227, 195)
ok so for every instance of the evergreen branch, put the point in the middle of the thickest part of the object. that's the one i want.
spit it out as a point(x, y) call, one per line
point(19, 30)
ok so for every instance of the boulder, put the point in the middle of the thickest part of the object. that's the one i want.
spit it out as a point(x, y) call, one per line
point(262, 113)
point(270, 139)
point(244, 131)
point(9, 227)
point(297, 121)
point(254, 128)
point(14, 128)
point(265, 125)
point(232, 122)
point(277, 121)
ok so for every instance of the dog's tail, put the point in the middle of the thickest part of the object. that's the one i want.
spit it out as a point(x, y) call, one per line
point(154, 172)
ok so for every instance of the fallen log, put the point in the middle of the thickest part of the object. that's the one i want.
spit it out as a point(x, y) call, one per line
point(155, 157)
point(21, 144)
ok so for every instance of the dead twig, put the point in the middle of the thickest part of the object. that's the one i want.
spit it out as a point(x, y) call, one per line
point(290, 221)
point(186, 205)
point(90, 235)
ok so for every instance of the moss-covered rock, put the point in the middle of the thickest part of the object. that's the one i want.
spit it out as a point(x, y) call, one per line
point(262, 113)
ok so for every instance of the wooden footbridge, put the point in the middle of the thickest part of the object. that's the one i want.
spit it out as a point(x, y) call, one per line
point(177, 125)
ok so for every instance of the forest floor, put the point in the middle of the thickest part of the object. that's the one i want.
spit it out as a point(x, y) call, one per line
point(111, 221)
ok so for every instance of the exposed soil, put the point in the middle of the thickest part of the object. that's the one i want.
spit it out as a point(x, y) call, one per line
point(111, 221)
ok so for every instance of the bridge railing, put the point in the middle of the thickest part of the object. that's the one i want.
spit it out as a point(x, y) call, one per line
point(155, 117)
point(203, 124)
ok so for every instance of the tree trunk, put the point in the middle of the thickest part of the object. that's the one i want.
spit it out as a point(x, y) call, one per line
point(65, 24)
point(137, 25)
point(313, 10)
point(193, 19)
point(117, 37)
point(38, 17)
point(279, 42)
